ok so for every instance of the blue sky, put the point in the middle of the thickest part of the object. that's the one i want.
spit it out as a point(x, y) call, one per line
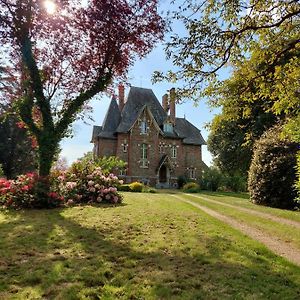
point(140, 76)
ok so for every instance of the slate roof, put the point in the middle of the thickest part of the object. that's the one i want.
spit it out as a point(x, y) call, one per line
point(189, 133)
point(111, 121)
point(96, 132)
point(139, 98)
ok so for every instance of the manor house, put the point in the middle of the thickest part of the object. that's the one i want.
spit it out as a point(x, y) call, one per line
point(157, 146)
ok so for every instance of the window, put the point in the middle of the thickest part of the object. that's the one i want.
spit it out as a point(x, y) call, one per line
point(174, 151)
point(168, 127)
point(125, 148)
point(144, 127)
point(144, 156)
point(122, 172)
point(144, 151)
point(192, 173)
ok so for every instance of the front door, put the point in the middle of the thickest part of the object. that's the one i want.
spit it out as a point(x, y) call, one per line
point(163, 174)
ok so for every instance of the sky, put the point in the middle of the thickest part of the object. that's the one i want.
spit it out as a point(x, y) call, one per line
point(140, 76)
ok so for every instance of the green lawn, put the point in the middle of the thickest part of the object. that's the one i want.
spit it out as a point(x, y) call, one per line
point(242, 200)
point(152, 247)
point(287, 233)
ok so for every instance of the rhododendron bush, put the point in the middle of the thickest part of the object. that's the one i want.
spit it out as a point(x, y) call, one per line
point(22, 193)
point(82, 183)
point(86, 183)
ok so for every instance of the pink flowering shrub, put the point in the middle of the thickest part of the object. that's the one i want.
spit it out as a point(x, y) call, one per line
point(23, 193)
point(82, 183)
point(86, 183)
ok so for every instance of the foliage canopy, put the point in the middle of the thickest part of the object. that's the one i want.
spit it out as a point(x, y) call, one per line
point(63, 59)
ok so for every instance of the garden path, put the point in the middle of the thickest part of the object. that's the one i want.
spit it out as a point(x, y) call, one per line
point(252, 211)
point(274, 244)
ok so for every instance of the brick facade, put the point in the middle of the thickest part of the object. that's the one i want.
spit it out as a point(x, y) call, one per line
point(152, 156)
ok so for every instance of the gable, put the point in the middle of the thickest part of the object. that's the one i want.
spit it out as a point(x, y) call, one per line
point(137, 99)
point(146, 114)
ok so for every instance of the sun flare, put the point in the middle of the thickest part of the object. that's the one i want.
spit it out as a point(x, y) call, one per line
point(50, 7)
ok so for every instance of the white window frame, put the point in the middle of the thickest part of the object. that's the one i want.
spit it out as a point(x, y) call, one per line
point(168, 127)
point(144, 127)
point(144, 151)
point(144, 156)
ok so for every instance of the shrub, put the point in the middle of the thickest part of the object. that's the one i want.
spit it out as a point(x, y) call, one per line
point(85, 183)
point(25, 192)
point(124, 188)
point(108, 164)
point(236, 183)
point(148, 189)
point(82, 183)
point(191, 187)
point(212, 179)
point(136, 187)
point(272, 172)
point(181, 181)
point(152, 191)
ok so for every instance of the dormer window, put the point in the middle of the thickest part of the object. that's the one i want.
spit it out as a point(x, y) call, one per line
point(144, 127)
point(168, 127)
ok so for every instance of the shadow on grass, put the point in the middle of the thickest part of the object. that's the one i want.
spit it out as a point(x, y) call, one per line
point(48, 253)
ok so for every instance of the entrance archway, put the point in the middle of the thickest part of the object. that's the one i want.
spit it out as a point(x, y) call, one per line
point(163, 174)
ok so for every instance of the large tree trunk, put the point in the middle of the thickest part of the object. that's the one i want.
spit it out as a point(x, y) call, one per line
point(47, 150)
point(46, 156)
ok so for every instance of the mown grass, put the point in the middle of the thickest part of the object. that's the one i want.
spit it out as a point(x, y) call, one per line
point(242, 200)
point(286, 233)
point(152, 247)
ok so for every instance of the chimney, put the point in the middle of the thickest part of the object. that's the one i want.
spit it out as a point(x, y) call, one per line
point(172, 105)
point(121, 96)
point(165, 103)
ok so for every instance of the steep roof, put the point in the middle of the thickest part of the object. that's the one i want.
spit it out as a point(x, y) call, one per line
point(137, 99)
point(111, 120)
point(189, 133)
point(96, 132)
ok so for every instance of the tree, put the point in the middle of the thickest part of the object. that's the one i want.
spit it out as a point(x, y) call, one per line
point(259, 41)
point(108, 165)
point(222, 33)
point(17, 149)
point(65, 55)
